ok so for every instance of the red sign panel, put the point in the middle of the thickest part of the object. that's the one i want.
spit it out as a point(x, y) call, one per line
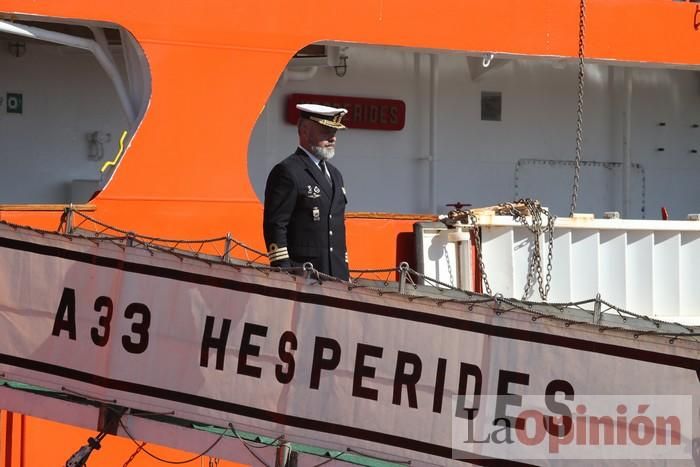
point(363, 112)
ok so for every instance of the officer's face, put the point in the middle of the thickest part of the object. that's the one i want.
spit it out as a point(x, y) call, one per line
point(321, 135)
point(318, 139)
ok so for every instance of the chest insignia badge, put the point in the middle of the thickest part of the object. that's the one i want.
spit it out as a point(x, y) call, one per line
point(312, 192)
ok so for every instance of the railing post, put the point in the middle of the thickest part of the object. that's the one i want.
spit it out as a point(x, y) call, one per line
point(227, 248)
point(283, 454)
point(403, 267)
point(597, 315)
point(68, 213)
point(309, 271)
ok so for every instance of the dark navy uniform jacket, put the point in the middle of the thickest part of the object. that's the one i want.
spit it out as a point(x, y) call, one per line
point(304, 218)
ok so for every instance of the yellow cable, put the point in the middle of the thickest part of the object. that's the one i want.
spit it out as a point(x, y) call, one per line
point(121, 149)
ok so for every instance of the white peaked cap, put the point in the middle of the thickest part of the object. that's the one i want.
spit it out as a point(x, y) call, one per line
point(323, 114)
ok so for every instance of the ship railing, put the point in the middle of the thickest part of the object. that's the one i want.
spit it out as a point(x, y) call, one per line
point(412, 284)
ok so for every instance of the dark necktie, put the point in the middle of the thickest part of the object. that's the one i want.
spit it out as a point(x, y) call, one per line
point(322, 164)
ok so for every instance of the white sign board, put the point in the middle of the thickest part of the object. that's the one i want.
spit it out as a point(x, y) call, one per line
point(321, 364)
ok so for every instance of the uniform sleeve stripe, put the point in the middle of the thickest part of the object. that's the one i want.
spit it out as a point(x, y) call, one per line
point(278, 255)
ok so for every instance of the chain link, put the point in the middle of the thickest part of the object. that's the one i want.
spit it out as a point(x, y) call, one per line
point(579, 106)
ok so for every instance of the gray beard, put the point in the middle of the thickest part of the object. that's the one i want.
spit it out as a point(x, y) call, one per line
point(323, 153)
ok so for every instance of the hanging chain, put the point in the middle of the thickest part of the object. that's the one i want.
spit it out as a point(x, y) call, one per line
point(449, 265)
point(579, 108)
point(550, 232)
point(474, 222)
point(534, 269)
point(525, 207)
point(138, 450)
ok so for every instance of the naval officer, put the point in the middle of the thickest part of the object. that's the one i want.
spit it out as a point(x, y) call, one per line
point(304, 218)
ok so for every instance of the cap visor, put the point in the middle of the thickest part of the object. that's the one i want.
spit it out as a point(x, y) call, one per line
point(328, 123)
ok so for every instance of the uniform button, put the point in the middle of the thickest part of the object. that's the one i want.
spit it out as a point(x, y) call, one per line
point(330, 232)
point(331, 248)
point(330, 216)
